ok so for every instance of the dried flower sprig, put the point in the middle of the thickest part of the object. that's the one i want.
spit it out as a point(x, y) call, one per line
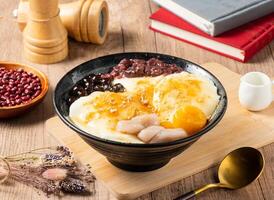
point(53, 170)
point(4, 173)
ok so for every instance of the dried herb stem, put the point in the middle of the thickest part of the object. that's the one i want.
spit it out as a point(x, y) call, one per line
point(21, 158)
point(31, 151)
point(8, 170)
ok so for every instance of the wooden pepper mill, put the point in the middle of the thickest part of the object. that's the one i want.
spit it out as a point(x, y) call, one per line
point(45, 37)
point(85, 20)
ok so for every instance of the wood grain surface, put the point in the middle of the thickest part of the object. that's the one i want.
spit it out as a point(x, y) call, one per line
point(129, 21)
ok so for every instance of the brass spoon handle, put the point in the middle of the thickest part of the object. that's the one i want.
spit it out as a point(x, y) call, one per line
point(193, 193)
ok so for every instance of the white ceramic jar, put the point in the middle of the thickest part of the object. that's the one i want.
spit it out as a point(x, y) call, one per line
point(255, 92)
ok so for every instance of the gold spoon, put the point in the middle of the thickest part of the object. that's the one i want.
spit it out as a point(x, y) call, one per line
point(238, 169)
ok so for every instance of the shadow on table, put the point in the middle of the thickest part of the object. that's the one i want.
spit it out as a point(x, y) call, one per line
point(263, 55)
point(35, 116)
point(114, 43)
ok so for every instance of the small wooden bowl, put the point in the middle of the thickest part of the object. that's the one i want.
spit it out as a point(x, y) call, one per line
point(8, 112)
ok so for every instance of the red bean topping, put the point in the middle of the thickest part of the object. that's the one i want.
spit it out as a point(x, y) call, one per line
point(139, 68)
point(17, 87)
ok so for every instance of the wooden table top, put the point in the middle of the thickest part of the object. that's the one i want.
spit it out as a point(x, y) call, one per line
point(128, 32)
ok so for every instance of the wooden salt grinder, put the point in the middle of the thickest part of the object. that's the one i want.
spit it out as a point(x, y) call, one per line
point(85, 20)
point(44, 37)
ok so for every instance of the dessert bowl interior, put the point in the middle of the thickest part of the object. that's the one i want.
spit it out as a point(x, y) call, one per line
point(130, 156)
point(12, 111)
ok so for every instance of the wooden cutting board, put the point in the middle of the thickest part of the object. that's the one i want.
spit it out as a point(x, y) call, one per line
point(238, 128)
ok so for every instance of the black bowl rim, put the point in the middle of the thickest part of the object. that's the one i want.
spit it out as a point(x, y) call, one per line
point(139, 145)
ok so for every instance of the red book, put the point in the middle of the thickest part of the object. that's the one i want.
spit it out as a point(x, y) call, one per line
point(240, 43)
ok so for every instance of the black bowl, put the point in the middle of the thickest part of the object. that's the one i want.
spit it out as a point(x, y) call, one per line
point(133, 157)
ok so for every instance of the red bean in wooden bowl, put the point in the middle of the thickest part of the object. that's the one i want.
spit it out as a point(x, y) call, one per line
point(21, 87)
